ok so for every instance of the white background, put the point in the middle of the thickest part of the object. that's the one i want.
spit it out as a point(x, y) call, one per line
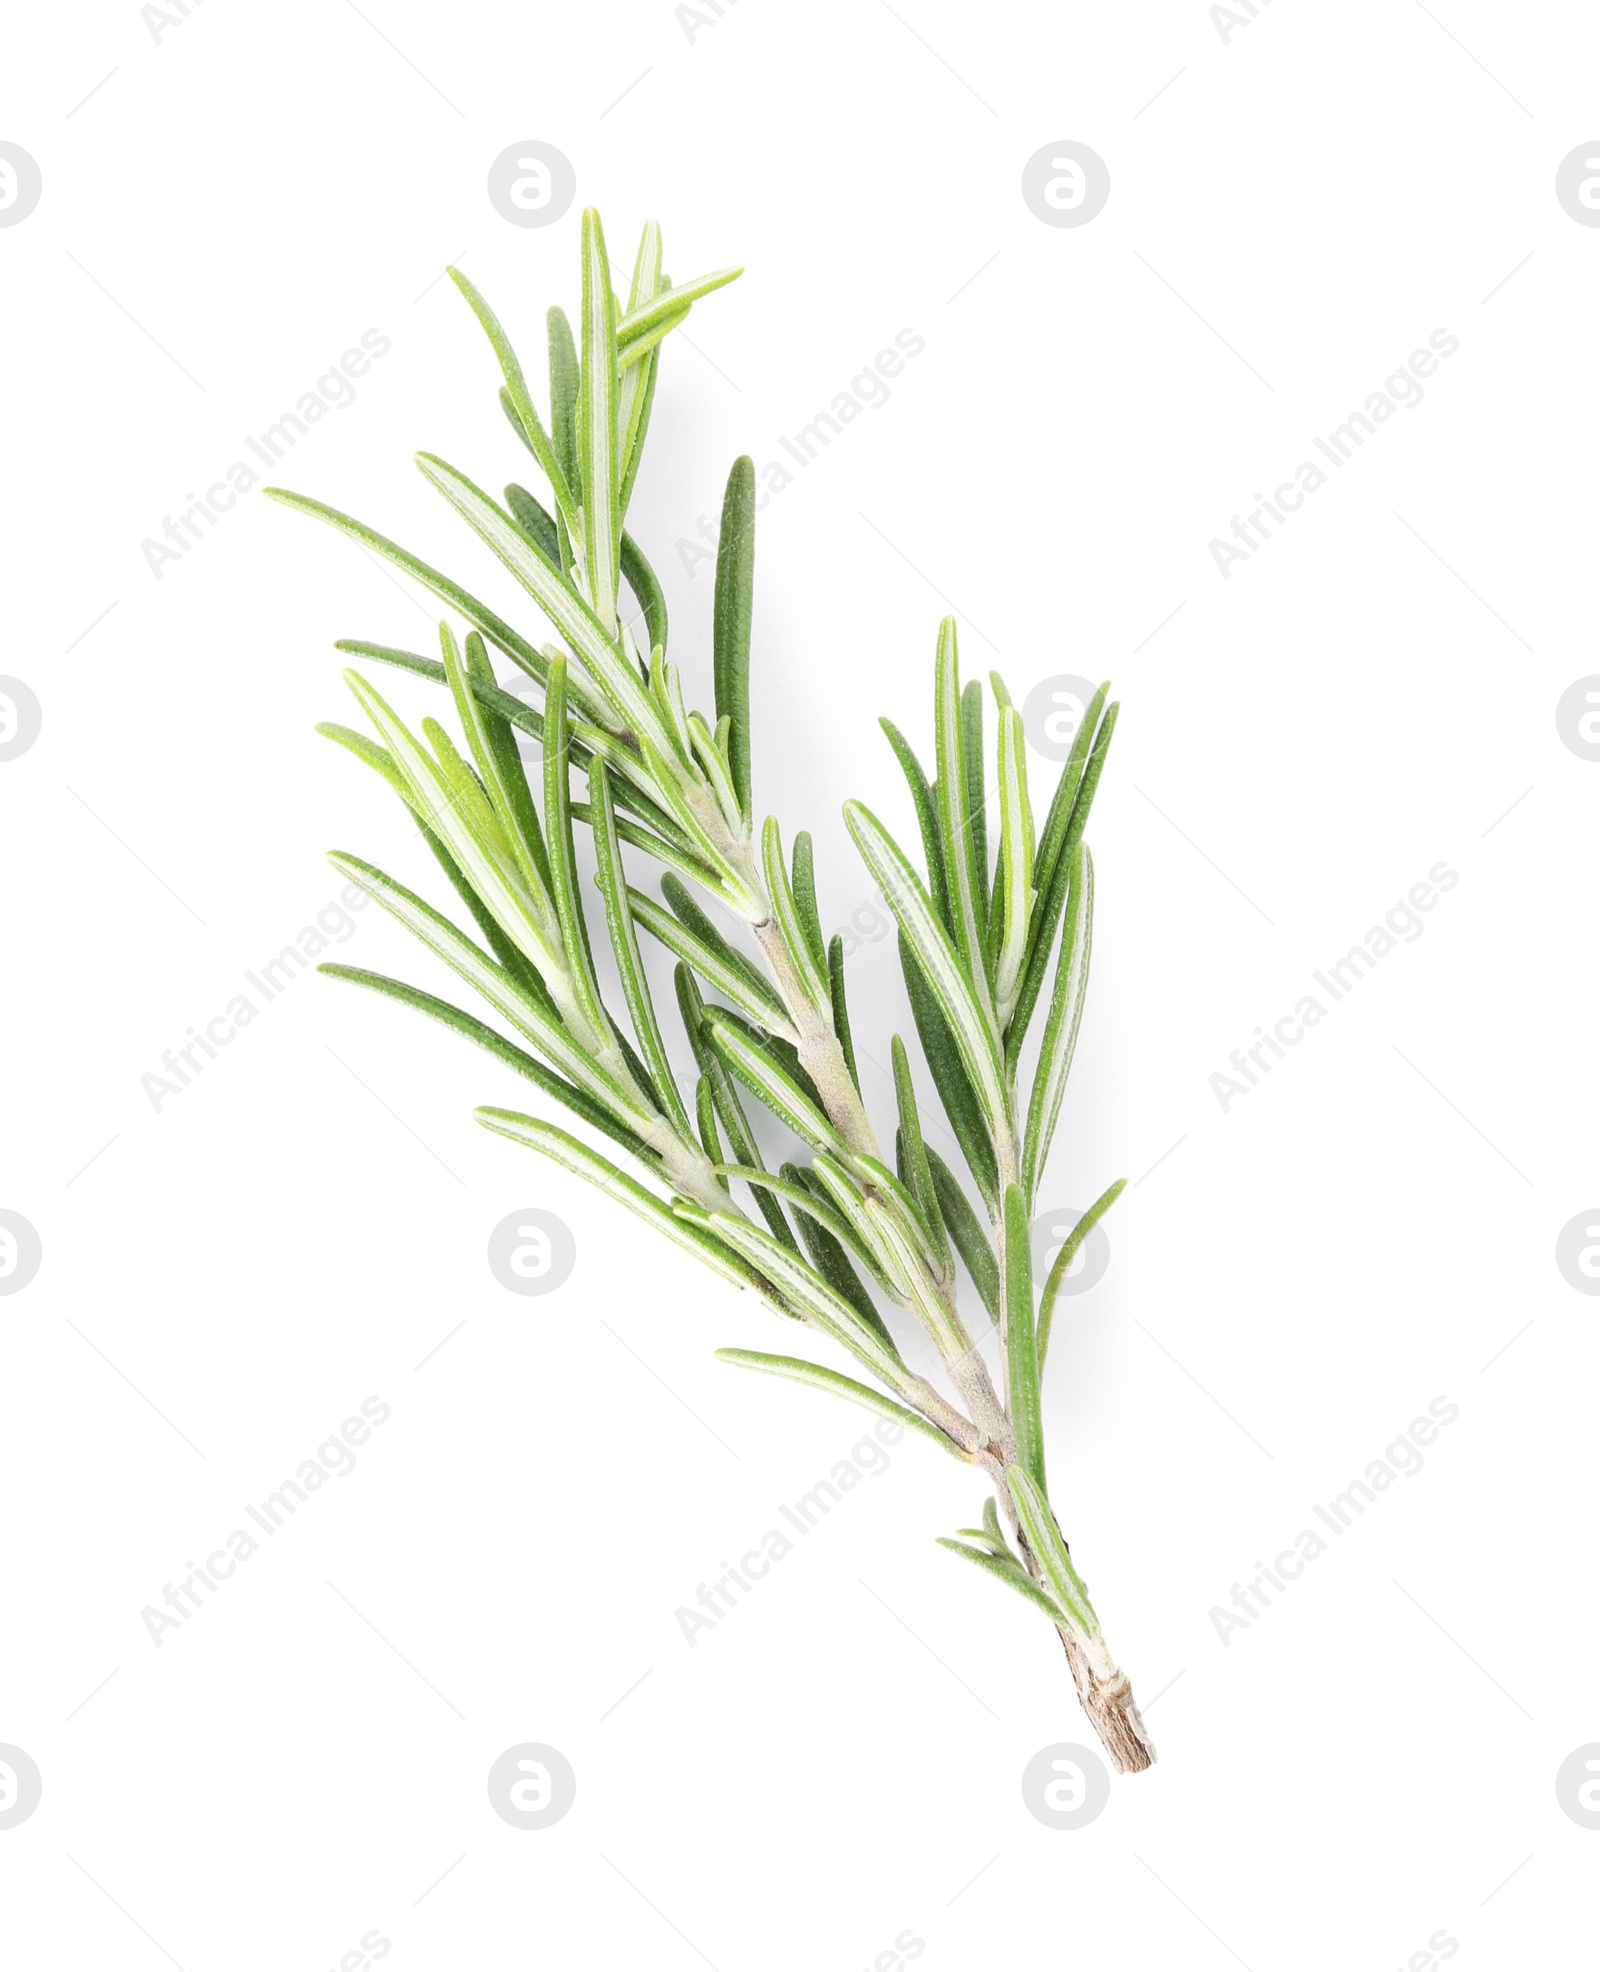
point(1297, 1278)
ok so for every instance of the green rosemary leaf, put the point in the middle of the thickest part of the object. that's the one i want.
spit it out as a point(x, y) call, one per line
point(1021, 1355)
point(1049, 1549)
point(920, 1289)
point(840, 1008)
point(1064, 1259)
point(525, 977)
point(378, 758)
point(977, 800)
point(956, 836)
point(640, 424)
point(521, 399)
point(535, 521)
point(625, 793)
point(993, 1543)
point(599, 471)
point(757, 1000)
point(1009, 1572)
point(499, 769)
point(637, 366)
point(731, 613)
point(807, 962)
point(635, 987)
point(804, 1289)
point(495, 628)
point(586, 1163)
point(830, 1252)
point(492, 981)
point(642, 349)
point(564, 855)
point(805, 899)
point(459, 813)
point(1061, 1026)
point(927, 822)
point(918, 1176)
point(1047, 913)
point(511, 776)
point(689, 913)
point(965, 1005)
point(991, 1524)
point(652, 843)
point(830, 1381)
point(639, 321)
point(623, 704)
point(829, 1180)
point(705, 1112)
point(647, 591)
point(468, 1025)
point(711, 760)
point(1092, 773)
point(956, 1093)
point(818, 1209)
point(906, 1209)
point(1013, 902)
point(563, 391)
point(966, 1234)
point(1062, 802)
point(725, 1097)
point(763, 1078)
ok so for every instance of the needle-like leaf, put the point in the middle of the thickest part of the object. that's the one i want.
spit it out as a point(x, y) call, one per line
point(956, 832)
point(1066, 1011)
point(731, 611)
point(563, 392)
point(595, 1114)
point(805, 900)
point(956, 1093)
point(839, 1008)
point(782, 1095)
point(691, 1234)
point(917, 1174)
point(1021, 1356)
point(835, 1385)
point(1049, 1549)
point(1008, 1572)
point(495, 984)
point(637, 380)
point(966, 1234)
point(639, 321)
point(622, 704)
point(495, 628)
point(521, 399)
point(965, 1007)
point(598, 463)
point(1065, 1257)
point(757, 1000)
point(619, 919)
point(805, 1290)
point(1013, 901)
point(927, 822)
point(808, 963)
point(500, 770)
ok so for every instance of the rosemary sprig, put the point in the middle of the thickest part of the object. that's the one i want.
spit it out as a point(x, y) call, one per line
point(978, 940)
